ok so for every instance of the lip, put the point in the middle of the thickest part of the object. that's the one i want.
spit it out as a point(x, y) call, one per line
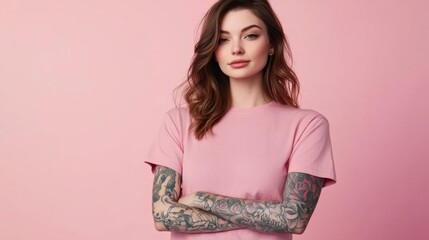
point(239, 63)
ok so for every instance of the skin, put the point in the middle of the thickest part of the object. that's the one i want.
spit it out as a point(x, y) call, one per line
point(244, 36)
point(301, 194)
point(169, 215)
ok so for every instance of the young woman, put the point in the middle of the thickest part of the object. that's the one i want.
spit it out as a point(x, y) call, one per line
point(241, 160)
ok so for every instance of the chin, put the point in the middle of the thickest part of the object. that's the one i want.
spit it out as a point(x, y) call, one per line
point(241, 75)
point(235, 76)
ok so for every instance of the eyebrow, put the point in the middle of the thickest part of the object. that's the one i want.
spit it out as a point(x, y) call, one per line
point(244, 29)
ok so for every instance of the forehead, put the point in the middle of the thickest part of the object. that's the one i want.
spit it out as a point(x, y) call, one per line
point(237, 19)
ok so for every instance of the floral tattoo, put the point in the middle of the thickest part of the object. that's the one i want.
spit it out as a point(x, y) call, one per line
point(292, 215)
point(178, 217)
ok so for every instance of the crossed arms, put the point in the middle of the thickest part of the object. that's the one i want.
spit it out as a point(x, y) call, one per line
point(169, 215)
point(207, 212)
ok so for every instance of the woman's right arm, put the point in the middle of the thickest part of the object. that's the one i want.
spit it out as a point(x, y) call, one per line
point(169, 215)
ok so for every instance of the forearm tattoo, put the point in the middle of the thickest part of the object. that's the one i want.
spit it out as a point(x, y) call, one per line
point(178, 217)
point(301, 194)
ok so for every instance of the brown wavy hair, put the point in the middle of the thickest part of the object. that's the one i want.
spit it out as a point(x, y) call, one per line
point(206, 88)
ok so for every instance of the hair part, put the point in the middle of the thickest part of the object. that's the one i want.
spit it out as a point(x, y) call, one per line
point(206, 89)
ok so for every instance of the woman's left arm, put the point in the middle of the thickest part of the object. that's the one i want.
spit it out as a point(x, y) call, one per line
point(292, 215)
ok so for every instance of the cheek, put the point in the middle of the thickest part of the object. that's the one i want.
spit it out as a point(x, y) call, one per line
point(261, 51)
point(260, 55)
point(219, 56)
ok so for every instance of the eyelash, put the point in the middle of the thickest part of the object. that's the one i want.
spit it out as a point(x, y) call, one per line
point(250, 35)
point(253, 35)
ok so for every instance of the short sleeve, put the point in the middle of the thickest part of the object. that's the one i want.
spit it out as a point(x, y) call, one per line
point(167, 147)
point(312, 152)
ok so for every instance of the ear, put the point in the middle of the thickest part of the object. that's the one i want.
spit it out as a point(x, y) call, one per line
point(271, 50)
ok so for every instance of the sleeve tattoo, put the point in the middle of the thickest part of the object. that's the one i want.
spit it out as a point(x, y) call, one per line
point(292, 215)
point(170, 215)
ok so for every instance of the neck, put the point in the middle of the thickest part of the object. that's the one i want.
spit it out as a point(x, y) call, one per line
point(247, 92)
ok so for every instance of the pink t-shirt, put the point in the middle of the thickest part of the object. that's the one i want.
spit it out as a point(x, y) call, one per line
point(249, 156)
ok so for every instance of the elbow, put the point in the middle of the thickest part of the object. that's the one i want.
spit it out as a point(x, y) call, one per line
point(158, 220)
point(298, 231)
point(160, 227)
point(300, 226)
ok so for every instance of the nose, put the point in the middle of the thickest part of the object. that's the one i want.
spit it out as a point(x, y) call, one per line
point(237, 48)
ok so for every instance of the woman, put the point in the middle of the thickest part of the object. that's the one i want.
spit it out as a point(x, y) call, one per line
point(241, 160)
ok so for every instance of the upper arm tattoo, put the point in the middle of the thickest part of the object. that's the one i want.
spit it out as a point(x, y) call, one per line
point(178, 217)
point(166, 183)
point(301, 194)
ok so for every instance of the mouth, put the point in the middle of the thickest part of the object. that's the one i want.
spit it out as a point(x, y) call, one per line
point(239, 63)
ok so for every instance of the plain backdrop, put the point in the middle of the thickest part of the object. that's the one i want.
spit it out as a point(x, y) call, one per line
point(84, 84)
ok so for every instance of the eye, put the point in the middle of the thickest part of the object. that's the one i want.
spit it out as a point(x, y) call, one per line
point(222, 40)
point(252, 36)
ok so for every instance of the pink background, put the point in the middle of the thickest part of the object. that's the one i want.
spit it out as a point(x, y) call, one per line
point(83, 86)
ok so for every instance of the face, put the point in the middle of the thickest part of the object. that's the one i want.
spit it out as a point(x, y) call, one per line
point(243, 46)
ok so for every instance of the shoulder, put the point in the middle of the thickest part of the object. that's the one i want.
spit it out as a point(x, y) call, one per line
point(298, 115)
point(179, 116)
point(178, 112)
